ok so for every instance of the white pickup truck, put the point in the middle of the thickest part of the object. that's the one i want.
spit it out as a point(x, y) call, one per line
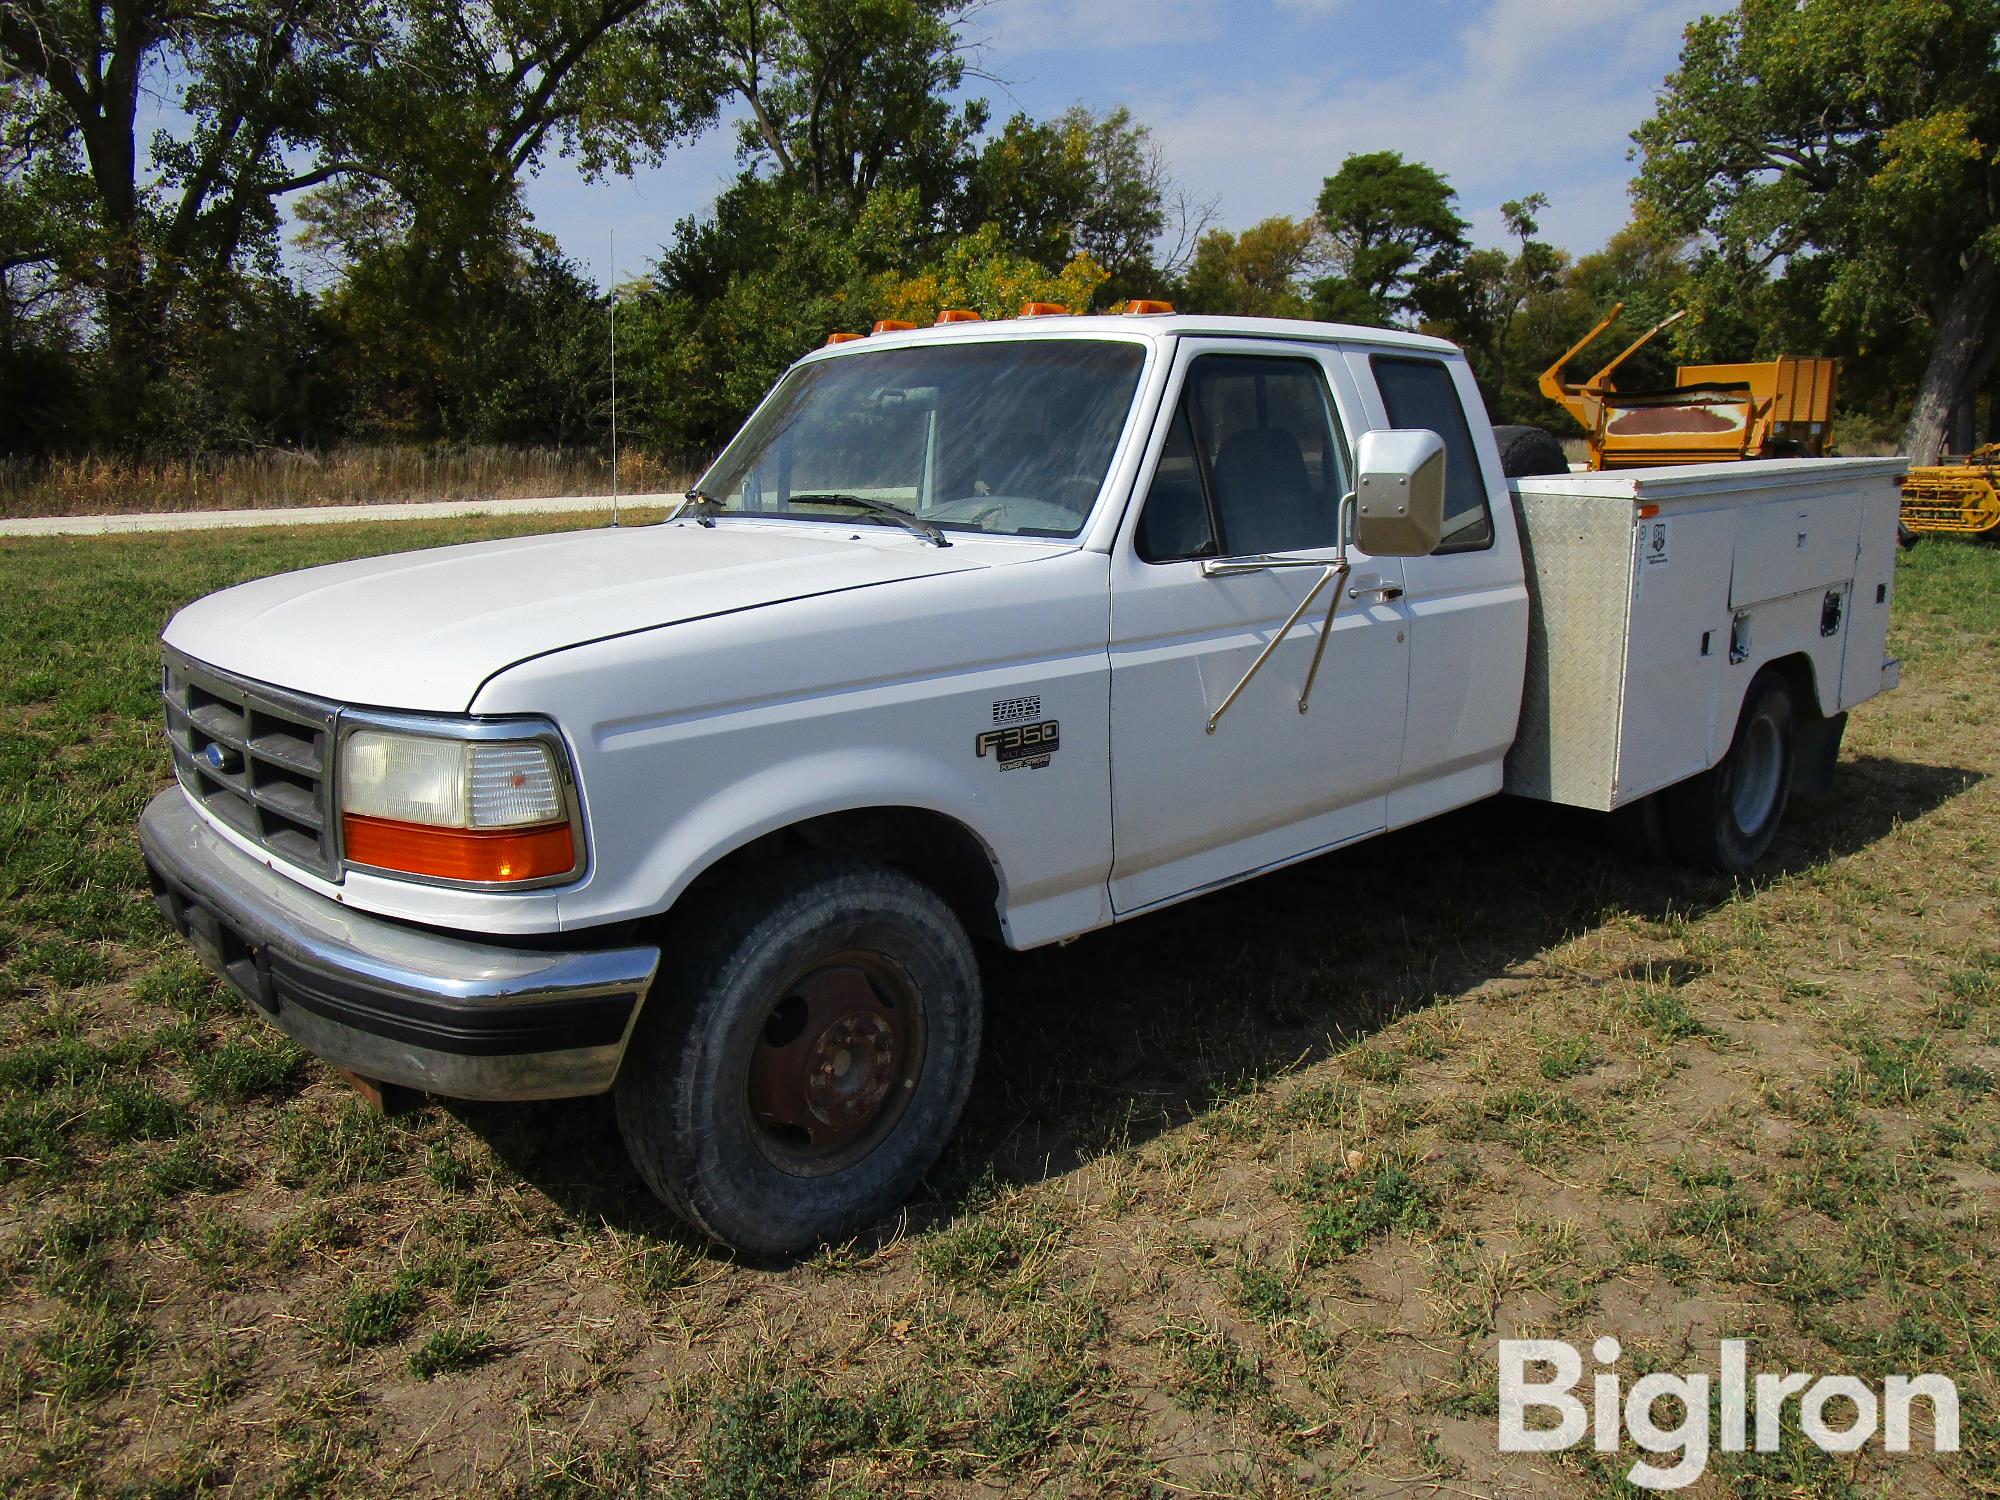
point(1005, 629)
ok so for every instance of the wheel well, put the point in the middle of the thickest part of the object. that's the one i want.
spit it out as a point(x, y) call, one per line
point(940, 851)
point(1797, 670)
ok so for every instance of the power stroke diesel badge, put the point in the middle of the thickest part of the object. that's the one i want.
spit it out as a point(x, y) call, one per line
point(1019, 746)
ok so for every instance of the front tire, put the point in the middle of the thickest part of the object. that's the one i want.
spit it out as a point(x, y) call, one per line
point(805, 1061)
point(1726, 818)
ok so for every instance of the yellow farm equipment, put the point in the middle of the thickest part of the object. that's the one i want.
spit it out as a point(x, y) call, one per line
point(1960, 497)
point(1780, 408)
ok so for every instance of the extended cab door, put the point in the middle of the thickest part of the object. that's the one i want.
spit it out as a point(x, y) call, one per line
point(1467, 602)
point(1249, 460)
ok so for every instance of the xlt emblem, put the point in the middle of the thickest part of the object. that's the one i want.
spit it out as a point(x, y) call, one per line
point(1019, 745)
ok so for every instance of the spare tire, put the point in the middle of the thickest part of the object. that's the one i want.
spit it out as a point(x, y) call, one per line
point(1529, 450)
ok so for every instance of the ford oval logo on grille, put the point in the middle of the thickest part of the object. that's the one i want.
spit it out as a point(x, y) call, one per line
point(221, 758)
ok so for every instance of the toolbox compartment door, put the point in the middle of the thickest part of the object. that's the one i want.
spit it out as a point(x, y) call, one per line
point(1799, 542)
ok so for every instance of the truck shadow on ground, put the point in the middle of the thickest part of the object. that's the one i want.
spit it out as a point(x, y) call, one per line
point(1134, 1030)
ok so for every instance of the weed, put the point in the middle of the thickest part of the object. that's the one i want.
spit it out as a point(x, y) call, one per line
point(1568, 1059)
point(375, 1315)
point(1267, 1296)
point(241, 1070)
point(1895, 1071)
point(1343, 1212)
point(449, 1350)
point(1376, 1064)
point(136, 1112)
point(1033, 1410)
point(662, 1269)
point(356, 1145)
point(977, 1252)
point(1214, 1369)
point(1667, 1015)
point(1328, 1102)
point(448, 1169)
point(89, 1351)
point(188, 1166)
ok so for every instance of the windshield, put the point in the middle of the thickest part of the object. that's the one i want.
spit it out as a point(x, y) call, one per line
point(1009, 436)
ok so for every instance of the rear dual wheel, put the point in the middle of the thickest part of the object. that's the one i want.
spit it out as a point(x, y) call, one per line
point(1726, 818)
point(805, 1058)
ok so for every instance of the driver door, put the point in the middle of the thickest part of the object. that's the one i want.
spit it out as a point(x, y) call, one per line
point(1252, 463)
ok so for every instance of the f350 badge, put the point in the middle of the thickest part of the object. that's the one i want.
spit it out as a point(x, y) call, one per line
point(1020, 746)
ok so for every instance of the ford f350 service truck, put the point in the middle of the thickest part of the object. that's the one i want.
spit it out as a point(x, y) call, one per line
point(1008, 629)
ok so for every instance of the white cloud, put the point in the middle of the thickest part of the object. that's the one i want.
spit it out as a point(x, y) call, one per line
point(1528, 95)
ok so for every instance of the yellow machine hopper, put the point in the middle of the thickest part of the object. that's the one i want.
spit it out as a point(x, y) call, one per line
point(1780, 408)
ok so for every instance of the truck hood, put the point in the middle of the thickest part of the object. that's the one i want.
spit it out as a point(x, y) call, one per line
point(423, 630)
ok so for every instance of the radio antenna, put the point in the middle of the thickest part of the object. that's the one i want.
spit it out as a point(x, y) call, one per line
point(614, 377)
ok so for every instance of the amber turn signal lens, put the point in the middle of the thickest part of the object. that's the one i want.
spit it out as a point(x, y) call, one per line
point(481, 854)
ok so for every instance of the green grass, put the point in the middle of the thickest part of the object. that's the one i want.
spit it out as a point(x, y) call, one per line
point(1236, 1182)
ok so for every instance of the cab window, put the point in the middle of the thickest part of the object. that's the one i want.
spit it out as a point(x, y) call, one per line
point(1253, 463)
point(1420, 393)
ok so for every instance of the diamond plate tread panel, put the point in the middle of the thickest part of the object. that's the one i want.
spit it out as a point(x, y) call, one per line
point(1578, 552)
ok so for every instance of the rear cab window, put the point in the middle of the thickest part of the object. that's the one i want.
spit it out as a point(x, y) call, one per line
point(1419, 392)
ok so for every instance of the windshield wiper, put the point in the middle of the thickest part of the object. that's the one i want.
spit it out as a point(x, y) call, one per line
point(704, 505)
point(925, 529)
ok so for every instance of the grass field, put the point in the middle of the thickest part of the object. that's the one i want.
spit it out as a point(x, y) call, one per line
point(1245, 1197)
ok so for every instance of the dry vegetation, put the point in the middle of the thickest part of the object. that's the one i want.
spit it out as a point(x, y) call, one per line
point(346, 476)
point(1246, 1194)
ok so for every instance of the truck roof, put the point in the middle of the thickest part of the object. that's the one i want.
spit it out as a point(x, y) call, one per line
point(1152, 325)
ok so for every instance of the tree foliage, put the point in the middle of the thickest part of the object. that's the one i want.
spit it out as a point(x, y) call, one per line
point(1844, 156)
point(1822, 176)
point(1395, 237)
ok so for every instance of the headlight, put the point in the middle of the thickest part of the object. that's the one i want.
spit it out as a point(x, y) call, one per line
point(477, 812)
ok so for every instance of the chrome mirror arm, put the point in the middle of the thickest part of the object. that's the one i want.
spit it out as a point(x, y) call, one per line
point(1342, 530)
point(1338, 568)
point(1234, 567)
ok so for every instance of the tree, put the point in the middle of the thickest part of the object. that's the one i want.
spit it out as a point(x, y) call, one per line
point(845, 96)
point(1495, 295)
point(248, 72)
point(1850, 149)
point(1033, 182)
point(434, 110)
point(1394, 236)
point(1257, 273)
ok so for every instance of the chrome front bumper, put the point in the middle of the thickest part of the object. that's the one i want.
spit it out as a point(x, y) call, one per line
point(461, 1017)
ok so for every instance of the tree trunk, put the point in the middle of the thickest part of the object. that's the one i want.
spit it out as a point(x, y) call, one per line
point(1951, 375)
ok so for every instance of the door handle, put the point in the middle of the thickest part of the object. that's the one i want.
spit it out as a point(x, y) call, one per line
point(1384, 592)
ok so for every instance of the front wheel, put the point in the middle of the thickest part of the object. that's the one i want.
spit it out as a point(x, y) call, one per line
point(1725, 818)
point(805, 1061)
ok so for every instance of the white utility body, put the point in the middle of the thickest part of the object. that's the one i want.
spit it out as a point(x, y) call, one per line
point(438, 814)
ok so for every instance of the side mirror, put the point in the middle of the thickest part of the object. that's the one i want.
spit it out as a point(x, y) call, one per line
point(1399, 493)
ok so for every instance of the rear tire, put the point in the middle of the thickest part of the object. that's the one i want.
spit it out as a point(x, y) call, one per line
point(806, 1059)
point(1726, 818)
point(1526, 451)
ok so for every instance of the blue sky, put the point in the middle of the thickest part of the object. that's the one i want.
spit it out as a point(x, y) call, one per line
point(1256, 101)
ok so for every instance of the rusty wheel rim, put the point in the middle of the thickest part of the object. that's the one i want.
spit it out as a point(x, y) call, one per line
point(835, 1062)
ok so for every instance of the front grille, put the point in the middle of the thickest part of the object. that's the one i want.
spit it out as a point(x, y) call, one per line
point(256, 757)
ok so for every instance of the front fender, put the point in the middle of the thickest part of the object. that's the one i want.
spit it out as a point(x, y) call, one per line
point(695, 740)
